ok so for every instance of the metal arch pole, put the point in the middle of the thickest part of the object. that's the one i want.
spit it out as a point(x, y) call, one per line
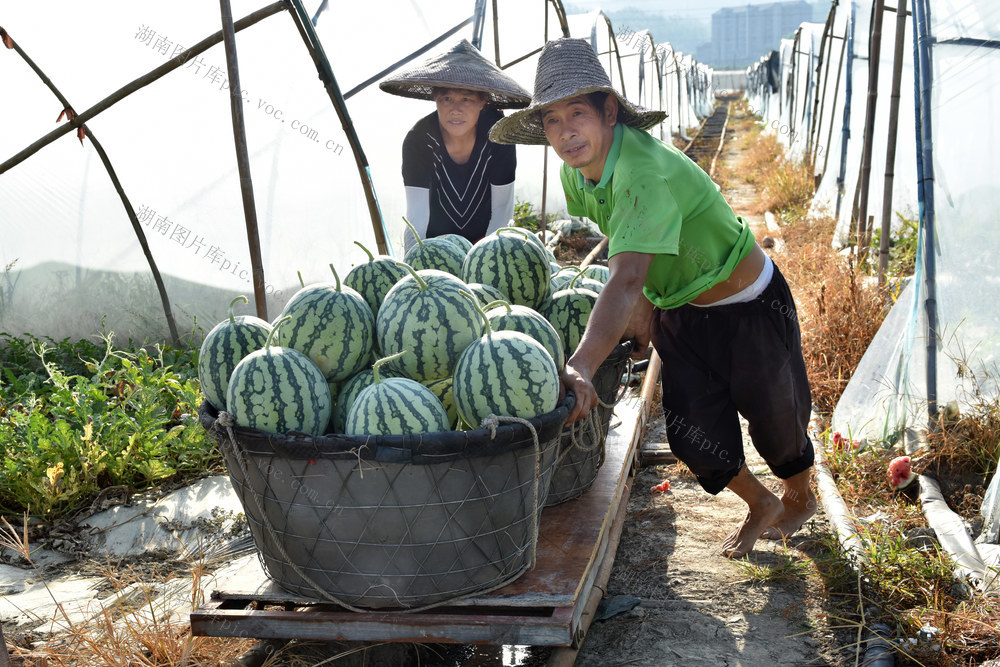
point(833, 102)
point(925, 166)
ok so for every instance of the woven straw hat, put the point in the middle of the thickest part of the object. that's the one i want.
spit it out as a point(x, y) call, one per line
point(567, 67)
point(461, 66)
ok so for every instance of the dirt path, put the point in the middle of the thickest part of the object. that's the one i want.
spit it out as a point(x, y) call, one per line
point(692, 606)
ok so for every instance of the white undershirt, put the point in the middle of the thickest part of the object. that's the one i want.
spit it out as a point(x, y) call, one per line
point(748, 293)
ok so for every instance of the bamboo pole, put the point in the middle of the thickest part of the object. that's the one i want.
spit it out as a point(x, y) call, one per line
point(820, 92)
point(141, 82)
point(890, 153)
point(326, 75)
point(874, 51)
point(833, 102)
point(922, 40)
point(243, 158)
point(106, 161)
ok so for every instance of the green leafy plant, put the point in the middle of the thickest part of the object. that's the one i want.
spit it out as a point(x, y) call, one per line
point(526, 216)
point(902, 247)
point(76, 417)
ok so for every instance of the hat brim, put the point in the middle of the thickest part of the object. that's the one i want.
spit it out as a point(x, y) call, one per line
point(525, 126)
point(463, 67)
point(423, 89)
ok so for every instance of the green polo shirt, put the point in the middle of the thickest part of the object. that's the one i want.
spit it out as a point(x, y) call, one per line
point(654, 199)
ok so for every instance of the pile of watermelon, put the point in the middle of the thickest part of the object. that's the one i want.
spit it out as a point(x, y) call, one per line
point(442, 340)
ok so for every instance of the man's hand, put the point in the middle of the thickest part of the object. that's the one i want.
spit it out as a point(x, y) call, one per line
point(582, 387)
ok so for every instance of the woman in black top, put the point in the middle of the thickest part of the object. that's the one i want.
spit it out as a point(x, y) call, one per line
point(457, 181)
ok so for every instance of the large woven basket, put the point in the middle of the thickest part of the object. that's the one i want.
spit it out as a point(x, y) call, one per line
point(402, 522)
point(581, 446)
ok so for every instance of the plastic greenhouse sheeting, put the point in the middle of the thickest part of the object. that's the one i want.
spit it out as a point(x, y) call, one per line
point(72, 263)
point(888, 391)
point(72, 260)
point(953, 192)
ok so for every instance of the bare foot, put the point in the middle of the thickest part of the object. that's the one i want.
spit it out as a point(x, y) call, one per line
point(740, 542)
point(798, 504)
point(796, 510)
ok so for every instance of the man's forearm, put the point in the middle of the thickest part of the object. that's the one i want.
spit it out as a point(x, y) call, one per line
point(613, 314)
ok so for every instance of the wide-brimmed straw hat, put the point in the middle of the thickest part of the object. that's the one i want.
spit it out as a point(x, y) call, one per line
point(461, 66)
point(567, 67)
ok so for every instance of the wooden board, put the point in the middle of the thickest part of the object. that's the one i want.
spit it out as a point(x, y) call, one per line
point(544, 607)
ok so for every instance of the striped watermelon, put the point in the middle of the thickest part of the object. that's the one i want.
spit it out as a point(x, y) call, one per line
point(486, 294)
point(534, 237)
point(374, 278)
point(442, 389)
point(395, 406)
point(562, 278)
point(511, 262)
point(507, 317)
point(583, 282)
point(597, 272)
point(332, 325)
point(568, 311)
point(435, 253)
point(504, 373)
point(459, 240)
point(350, 390)
point(427, 314)
point(279, 389)
point(224, 346)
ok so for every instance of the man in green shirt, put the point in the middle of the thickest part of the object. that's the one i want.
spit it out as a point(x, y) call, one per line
point(687, 275)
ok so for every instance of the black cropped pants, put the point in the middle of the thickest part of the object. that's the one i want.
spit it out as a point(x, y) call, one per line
point(724, 361)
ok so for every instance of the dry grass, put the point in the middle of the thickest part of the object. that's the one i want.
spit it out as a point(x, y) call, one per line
point(137, 625)
point(839, 309)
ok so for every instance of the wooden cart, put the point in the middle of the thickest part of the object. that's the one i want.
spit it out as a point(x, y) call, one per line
point(552, 605)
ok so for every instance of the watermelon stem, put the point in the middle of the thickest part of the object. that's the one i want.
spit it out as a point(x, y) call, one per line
point(274, 330)
point(336, 277)
point(301, 282)
point(499, 302)
point(376, 376)
point(371, 257)
point(414, 230)
point(413, 272)
point(232, 305)
point(572, 283)
point(479, 309)
point(519, 230)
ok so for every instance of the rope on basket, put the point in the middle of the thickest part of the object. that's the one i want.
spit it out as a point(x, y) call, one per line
point(589, 424)
point(491, 422)
point(225, 420)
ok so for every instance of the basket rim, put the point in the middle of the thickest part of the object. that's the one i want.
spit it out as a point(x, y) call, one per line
point(426, 448)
